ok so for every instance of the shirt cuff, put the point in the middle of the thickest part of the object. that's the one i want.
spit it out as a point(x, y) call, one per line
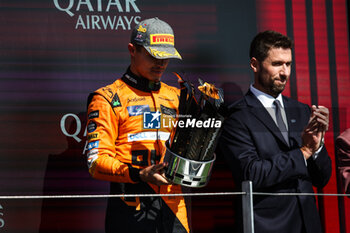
point(315, 155)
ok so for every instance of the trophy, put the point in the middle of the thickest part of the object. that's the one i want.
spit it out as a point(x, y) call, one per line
point(190, 148)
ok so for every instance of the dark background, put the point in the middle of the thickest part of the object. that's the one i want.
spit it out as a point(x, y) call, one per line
point(49, 65)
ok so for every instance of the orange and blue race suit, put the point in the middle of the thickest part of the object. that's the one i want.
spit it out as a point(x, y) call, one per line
point(128, 124)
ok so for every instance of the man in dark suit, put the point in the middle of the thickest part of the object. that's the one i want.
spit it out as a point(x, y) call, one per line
point(277, 143)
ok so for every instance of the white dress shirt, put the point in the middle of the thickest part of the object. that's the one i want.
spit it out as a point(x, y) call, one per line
point(267, 101)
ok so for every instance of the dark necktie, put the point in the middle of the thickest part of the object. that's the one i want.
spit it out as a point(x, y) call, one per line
point(280, 123)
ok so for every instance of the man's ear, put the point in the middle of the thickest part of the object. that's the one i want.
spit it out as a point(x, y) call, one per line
point(132, 49)
point(254, 64)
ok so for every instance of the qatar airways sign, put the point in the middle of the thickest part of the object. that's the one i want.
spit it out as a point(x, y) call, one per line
point(101, 14)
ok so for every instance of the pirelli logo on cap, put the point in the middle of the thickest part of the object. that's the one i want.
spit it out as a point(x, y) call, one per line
point(162, 39)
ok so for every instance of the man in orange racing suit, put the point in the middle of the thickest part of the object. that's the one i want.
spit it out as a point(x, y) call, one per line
point(126, 136)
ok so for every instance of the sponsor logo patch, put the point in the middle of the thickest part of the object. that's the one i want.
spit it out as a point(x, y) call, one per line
point(130, 78)
point(151, 120)
point(139, 38)
point(91, 157)
point(108, 91)
point(94, 114)
point(136, 99)
point(91, 127)
point(152, 135)
point(93, 145)
point(93, 136)
point(142, 29)
point(116, 101)
point(92, 152)
point(168, 111)
point(137, 110)
point(162, 39)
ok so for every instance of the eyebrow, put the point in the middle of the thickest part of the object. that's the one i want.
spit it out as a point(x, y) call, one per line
point(280, 61)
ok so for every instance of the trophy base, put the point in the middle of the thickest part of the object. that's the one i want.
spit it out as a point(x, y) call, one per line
point(187, 172)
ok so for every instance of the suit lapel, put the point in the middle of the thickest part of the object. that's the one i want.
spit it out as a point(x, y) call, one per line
point(261, 114)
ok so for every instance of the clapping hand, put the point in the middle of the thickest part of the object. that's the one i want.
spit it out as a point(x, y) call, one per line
point(315, 130)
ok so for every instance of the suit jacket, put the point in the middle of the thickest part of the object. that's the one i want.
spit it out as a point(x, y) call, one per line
point(256, 150)
point(343, 152)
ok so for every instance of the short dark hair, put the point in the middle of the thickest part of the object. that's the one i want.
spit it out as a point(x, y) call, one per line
point(138, 47)
point(264, 41)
